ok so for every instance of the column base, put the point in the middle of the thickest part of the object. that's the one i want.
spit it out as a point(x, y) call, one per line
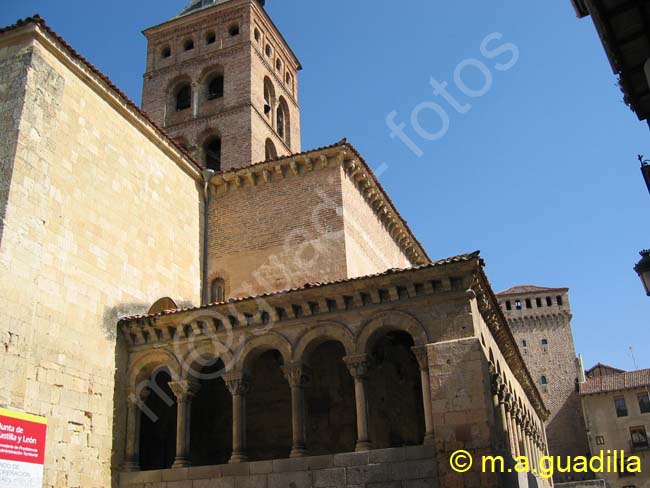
point(429, 439)
point(363, 446)
point(181, 463)
point(298, 452)
point(238, 457)
point(131, 467)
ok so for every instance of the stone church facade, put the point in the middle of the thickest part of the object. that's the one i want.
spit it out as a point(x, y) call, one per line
point(309, 340)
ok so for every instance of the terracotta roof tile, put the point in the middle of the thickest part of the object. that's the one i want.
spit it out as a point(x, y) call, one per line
point(455, 259)
point(616, 382)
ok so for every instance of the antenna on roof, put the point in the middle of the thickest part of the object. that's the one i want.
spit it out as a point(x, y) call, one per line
point(633, 358)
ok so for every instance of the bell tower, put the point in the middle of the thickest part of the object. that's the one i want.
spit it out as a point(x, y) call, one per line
point(222, 81)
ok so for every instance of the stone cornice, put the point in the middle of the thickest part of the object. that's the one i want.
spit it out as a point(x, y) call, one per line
point(297, 306)
point(498, 325)
point(340, 155)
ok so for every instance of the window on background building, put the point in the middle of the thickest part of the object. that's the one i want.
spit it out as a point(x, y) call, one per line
point(268, 51)
point(210, 38)
point(621, 407)
point(215, 87)
point(600, 440)
point(644, 403)
point(549, 301)
point(545, 345)
point(543, 380)
point(559, 300)
point(166, 52)
point(529, 304)
point(183, 97)
point(538, 302)
point(233, 30)
point(218, 291)
point(518, 304)
point(639, 437)
point(270, 151)
point(508, 305)
point(258, 36)
point(188, 45)
point(281, 121)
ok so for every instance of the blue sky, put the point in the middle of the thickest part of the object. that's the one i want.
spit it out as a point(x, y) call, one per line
point(540, 174)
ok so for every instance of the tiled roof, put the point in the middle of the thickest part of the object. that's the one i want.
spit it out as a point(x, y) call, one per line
point(37, 20)
point(455, 259)
point(616, 382)
point(518, 290)
point(604, 366)
point(196, 5)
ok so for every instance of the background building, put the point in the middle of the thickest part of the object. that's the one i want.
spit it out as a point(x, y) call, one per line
point(616, 408)
point(540, 320)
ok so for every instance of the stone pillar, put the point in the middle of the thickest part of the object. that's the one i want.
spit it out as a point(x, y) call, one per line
point(135, 400)
point(510, 413)
point(298, 377)
point(422, 356)
point(239, 387)
point(515, 431)
point(195, 99)
point(498, 402)
point(358, 366)
point(520, 434)
point(184, 392)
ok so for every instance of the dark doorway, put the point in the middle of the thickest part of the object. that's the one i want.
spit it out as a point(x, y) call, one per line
point(331, 410)
point(268, 412)
point(158, 425)
point(396, 411)
point(211, 427)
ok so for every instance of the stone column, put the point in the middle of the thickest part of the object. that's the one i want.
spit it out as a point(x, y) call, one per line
point(498, 402)
point(195, 99)
point(422, 356)
point(510, 413)
point(358, 366)
point(135, 401)
point(298, 377)
point(184, 392)
point(239, 387)
point(520, 434)
point(515, 431)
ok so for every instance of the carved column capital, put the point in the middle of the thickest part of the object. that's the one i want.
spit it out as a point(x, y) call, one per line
point(237, 383)
point(358, 365)
point(297, 374)
point(422, 356)
point(184, 390)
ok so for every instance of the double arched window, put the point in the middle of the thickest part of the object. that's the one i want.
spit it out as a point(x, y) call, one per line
point(283, 123)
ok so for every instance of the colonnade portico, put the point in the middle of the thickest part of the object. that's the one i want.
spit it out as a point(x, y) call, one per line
point(518, 433)
point(297, 375)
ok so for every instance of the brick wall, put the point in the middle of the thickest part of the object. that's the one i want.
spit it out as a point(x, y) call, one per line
point(100, 221)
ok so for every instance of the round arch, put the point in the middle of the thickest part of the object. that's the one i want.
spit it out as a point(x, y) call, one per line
point(207, 79)
point(143, 368)
point(283, 121)
point(320, 334)
point(256, 346)
point(203, 354)
point(388, 322)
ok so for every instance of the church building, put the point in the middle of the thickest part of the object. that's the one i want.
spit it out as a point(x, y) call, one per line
point(193, 300)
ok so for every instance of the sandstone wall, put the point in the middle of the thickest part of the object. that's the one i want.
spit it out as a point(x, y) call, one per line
point(99, 222)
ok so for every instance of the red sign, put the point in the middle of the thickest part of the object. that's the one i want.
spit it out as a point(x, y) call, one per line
point(22, 449)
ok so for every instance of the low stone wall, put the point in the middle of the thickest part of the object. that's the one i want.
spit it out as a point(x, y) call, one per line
point(407, 467)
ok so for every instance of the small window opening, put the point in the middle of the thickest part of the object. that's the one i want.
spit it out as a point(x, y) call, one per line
point(278, 65)
point(559, 300)
point(621, 407)
point(529, 304)
point(211, 38)
point(184, 98)
point(538, 302)
point(544, 380)
point(518, 304)
point(549, 302)
point(215, 88)
point(258, 36)
point(188, 45)
point(508, 305)
point(545, 345)
point(233, 30)
point(218, 290)
point(213, 154)
point(268, 51)
point(166, 52)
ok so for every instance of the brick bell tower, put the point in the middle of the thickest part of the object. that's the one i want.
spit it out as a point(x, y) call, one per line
point(223, 82)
